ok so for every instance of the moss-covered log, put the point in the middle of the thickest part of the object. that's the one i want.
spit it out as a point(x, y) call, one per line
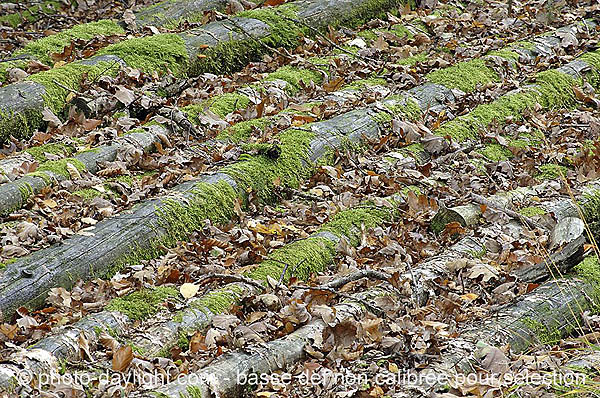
point(14, 195)
point(140, 232)
point(41, 50)
point(225, 376)
point(219, 47)
point(303, 257)
point(47, 355)
point(552, 89)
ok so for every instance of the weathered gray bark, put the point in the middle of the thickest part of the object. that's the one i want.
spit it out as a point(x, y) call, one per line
point(79, 262)
point(543, 316)
point(14, 195)
point(20, 114)
point(220, 378)
point(45, 356)
point(27, 281)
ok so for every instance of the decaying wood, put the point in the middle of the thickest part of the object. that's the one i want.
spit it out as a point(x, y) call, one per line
point(14, 195)
point(221, 377)
point(21, 103)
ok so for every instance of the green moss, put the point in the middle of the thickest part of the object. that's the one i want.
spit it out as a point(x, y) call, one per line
point(70, 76)
point(142, 304)
point(362, 84)
point(207, 201)
point(496, 152)
point(3, 265)
point(38, 152)
point(125, 179)
point(505, 53)
point(219, 300)
point(293, 76)
point(407, 107)
point(589, 269)
point(348, 223)
point(260, 171)
point(532, 211)
point(87, 193)
point(551, 171)
point(59, 167)
point(411, 188)
point(465, 76)
point(31, 14)
point(223, 105)
point(545, 334)
point(228, 57)
point(413, 149)
point(25, 190)
point(153, 53)
point(367, 34)
point(43, 48)
point(303, 257)
point(220, 105)
point(553, 90)
point(5, 66)
point(527, 45)
point(414, 59)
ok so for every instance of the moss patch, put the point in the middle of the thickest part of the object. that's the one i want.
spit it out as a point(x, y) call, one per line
point(70, 76)
point(59, 167)
point(43, 48)
point(142, 304)
point(87, 193)
point(289, 168)
point(293, 76)
point(589, 269)
point(31, 13)
point(464, 75)
point(532, 211)
point(551, 171)
point(505, 53)
point(242, 130)
point(153, 53)
point(364, 83)
point(496, 152)
point(38, 152)
point(348, 223)
point(553, 89)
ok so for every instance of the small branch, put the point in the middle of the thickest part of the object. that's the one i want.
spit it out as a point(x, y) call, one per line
point(59, 84)
point(373, 308)
point(232, 277)
point(303, 195)
point(513, 214)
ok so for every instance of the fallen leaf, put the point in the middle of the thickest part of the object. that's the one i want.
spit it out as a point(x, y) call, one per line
point(189, 290)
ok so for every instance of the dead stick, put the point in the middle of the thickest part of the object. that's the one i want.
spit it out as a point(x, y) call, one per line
point(526, 220)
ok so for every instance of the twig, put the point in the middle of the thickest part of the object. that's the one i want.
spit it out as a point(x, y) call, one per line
point(21, 57)
point(59, 84)
point(232, 277)
point(373, 308)
point(513, 214)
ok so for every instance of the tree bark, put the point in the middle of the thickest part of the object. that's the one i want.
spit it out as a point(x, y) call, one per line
point(207, 50)
point(13, 195)
point(220, 378)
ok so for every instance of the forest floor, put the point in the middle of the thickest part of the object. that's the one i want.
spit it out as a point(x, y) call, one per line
point(409, 172)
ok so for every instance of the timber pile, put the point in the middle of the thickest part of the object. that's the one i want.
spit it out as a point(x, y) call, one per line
point(411, 218)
